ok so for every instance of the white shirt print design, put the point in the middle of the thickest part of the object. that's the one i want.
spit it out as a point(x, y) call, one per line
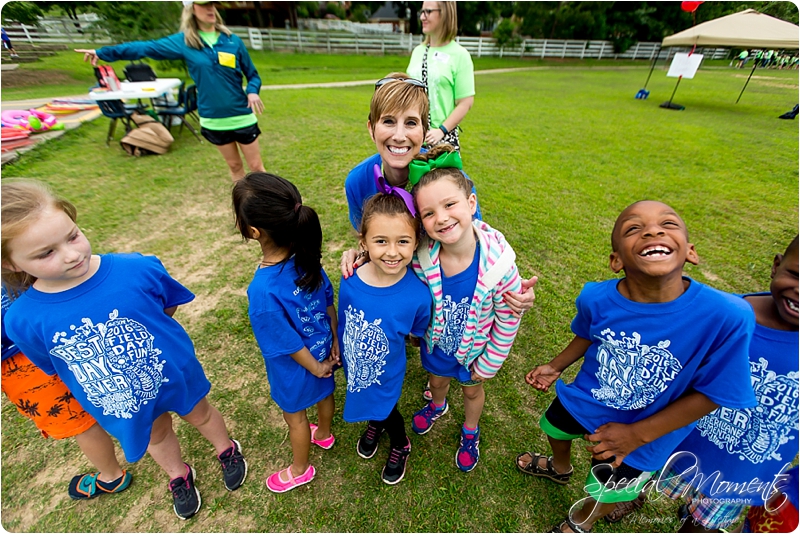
point(455, 317)
point(115, 362)
point(632, 375)
point(365, 348)
point(755, 434)
point(304, 315)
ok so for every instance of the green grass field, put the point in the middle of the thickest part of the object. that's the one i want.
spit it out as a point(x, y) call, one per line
point(556, 155)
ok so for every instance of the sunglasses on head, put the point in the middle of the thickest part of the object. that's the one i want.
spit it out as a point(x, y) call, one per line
point(410, 81)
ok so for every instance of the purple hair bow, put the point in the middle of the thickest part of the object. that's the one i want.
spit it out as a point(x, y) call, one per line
point(385, 188)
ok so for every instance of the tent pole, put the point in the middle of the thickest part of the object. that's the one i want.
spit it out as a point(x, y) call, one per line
point(755, 63)
point(652, 66)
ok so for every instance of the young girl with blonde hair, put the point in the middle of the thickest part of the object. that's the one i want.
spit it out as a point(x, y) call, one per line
point(104, 324)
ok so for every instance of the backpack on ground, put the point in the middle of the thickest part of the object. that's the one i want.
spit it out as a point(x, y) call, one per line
point(151, 137)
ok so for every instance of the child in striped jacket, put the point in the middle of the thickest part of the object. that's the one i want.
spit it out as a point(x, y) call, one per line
point(468, 266)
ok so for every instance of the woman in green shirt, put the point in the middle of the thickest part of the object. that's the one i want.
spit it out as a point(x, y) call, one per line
point(446, 68)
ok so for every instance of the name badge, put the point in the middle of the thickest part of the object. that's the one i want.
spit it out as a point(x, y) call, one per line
point(226, 59)
point(441, 56)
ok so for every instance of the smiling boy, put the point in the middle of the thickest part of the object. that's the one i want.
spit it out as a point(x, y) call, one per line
point(660, 351)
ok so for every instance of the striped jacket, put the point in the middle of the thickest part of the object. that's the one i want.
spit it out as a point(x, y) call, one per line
point(491, 327)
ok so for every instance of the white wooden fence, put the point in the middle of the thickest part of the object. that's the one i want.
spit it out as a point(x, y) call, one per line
point(338, 42)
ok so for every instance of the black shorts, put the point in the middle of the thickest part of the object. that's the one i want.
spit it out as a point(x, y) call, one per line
point(559, 417)
point(243, 136)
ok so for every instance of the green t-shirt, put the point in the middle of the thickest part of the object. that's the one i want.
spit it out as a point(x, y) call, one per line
point(450, 77)
point(227, 123)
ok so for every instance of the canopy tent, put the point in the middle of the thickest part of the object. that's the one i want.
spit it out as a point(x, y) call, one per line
point(746, 29)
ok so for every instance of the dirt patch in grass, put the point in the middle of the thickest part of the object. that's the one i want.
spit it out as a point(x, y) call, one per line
point(27, 78)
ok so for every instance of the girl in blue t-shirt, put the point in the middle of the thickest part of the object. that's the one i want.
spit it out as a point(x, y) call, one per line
point(104, 325)
point(379, 306)
point(292, 314)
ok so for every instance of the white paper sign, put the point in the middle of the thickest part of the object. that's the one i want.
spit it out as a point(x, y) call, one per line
point(684, 65)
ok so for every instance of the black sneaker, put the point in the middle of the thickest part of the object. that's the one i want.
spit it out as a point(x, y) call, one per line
point(234, 466)
point(368, 442)
point(395, 466)
point(185, 497)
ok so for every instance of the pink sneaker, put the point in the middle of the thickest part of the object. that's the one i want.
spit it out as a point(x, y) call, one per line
point(326, 443)
point(275, 484)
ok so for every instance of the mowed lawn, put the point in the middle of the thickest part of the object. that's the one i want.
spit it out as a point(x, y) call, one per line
point(556, 155)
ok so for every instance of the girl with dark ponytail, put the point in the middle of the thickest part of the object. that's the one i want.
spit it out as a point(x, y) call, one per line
point(292, 314)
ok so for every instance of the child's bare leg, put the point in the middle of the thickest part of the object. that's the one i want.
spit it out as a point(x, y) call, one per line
point(325, 409)
point(209, 422)
point(440, 385)
point(300, 436)
point(561, 455)
point(164, 447)
point(99, 450)
point(474, 399)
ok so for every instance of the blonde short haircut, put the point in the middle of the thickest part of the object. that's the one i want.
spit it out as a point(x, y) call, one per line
point(394, 97)
point(190, 28)
point(449, 27)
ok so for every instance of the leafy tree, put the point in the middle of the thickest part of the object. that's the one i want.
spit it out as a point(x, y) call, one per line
point(70, 8)
point(22, 12)
point(506, 34)
point(135, 21)
point(334, 8)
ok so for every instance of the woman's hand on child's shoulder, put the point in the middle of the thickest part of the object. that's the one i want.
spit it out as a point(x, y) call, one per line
point(349, 263)
point(522, 301)
point(542, 377)
point(615, 440)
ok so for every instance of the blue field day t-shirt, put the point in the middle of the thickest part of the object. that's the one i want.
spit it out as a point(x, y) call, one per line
point(285, 318)
point(360, 185)
point(373, 323)
point(109, 340)
point(738, 452)
point(644, 357)
point(9, 348)
point(457, 293)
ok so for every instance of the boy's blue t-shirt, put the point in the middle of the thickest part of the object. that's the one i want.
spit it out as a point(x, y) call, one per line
point(748, 447)
point(109, 340)
point(644, 357)
point(285, 318)
point(457, 293)
point(9, 348)
point(360, 185)
point(373, 323)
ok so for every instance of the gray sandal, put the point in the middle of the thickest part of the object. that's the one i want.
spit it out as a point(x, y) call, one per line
point(532, 468)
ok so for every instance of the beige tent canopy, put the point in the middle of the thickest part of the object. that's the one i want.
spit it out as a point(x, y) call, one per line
point(746, 29)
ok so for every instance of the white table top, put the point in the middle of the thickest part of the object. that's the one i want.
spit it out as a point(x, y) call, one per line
point(130, 90)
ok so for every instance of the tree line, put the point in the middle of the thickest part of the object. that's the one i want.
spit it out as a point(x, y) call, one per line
point(623, 23)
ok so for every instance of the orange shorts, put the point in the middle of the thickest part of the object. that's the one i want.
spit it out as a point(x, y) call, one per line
point(44, 399)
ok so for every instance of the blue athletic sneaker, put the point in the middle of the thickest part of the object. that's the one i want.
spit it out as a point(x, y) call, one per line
point(423, 420)
point(468, 452)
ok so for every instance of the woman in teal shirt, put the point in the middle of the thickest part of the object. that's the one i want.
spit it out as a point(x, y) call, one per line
point(217, 61)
